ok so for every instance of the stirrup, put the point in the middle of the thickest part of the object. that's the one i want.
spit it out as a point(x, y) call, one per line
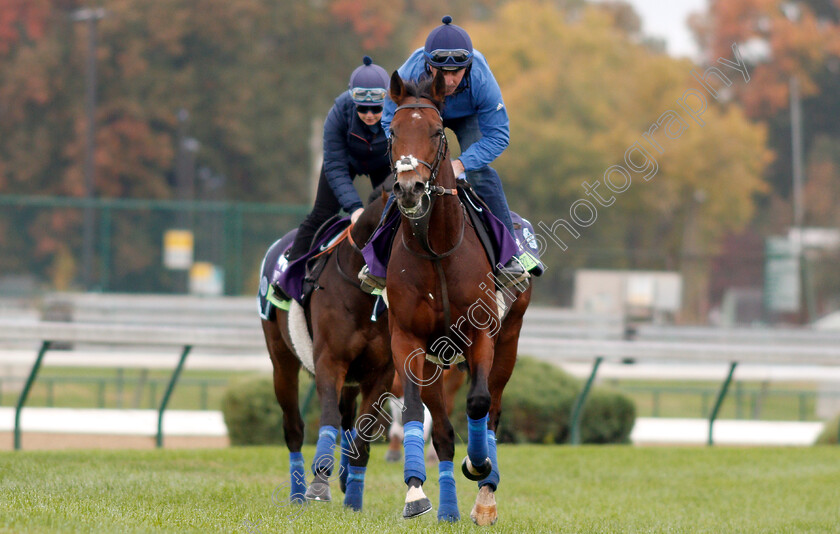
point(518, 279)
point(369, 283)
point(278, 297)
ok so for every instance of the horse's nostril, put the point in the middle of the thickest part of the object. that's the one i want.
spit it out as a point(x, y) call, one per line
point(419, 187)
point(397, 188)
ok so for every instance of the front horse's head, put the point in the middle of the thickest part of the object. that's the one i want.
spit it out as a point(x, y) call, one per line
point(418, 144)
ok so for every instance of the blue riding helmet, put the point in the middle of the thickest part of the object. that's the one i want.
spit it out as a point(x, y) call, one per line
point(368, 84)
point(448, 46)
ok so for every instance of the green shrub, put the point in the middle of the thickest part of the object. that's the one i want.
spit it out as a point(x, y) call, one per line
point(537, 408)
point(608, 417)
point(829, 434)
point(253, 416)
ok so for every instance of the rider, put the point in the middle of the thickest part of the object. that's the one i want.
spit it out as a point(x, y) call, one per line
point(475, 112)
point(354, 144)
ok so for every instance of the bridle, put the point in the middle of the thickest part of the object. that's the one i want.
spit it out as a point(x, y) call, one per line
point(430, 188)
point(406, 163)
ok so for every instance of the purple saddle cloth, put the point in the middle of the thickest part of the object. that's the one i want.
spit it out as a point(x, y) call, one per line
point(290, 275)
point(377, 251)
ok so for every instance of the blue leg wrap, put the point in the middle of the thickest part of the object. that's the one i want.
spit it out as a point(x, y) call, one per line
point(346, 437)
point(477, 440)
point(324, 458)
point(355, 488)
point(298, 477)
point(415, 464)
point(448, 508)
point(493, 478)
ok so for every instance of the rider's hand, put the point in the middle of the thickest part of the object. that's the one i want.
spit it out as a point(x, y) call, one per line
point(355, 215)
point(457, 167)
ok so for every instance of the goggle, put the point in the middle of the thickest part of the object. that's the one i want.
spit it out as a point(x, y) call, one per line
point(364, 94)
point(440, 58)
point(368, 109)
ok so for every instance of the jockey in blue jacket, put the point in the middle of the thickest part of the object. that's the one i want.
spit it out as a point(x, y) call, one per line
point(474, 111)
point(354, 144)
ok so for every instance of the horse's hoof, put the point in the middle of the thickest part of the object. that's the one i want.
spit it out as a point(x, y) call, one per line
point(473, 472)
point(416, 503)
point(393, 456)
point(417, 508)
point(484, 512)
point(318, 492)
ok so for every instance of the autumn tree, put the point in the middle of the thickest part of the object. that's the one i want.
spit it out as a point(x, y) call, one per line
point(251, 75)
point(581, 93)
point(782, 40)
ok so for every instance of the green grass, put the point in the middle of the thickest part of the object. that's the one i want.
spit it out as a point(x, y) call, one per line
point(543, 489)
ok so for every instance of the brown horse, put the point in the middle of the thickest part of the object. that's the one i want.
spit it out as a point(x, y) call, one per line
point(443, 303)
point(350, 353)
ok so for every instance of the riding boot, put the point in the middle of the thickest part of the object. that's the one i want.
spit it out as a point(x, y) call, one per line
point(513, 274)
point(369, 283)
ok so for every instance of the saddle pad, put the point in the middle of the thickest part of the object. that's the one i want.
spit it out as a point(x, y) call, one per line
point(377, 251)
point(290, 275)
point(269, 272)
point(529, 251)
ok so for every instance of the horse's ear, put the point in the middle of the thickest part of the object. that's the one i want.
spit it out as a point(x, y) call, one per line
point(397, 88)
point(438, 92)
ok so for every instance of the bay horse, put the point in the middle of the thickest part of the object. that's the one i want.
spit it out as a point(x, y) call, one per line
point(438, 271)
point(351, 353)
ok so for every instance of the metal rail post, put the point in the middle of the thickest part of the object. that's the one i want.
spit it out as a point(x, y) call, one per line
point(574, 437)
point(168, 393)
point(45, 346)
point(719, 401)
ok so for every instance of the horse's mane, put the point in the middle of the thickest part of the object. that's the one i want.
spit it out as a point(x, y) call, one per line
point(422, 88)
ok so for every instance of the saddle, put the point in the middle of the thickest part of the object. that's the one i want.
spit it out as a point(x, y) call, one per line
point(298, 278)
point(498, 244)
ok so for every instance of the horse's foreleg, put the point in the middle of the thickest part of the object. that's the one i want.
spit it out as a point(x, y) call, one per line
point(484, 511)
point(443, 437)
point(329, 379)
point(286, 368)
point(357, 451)
point(409, 359)
point(477, 465)
point(347, 407)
